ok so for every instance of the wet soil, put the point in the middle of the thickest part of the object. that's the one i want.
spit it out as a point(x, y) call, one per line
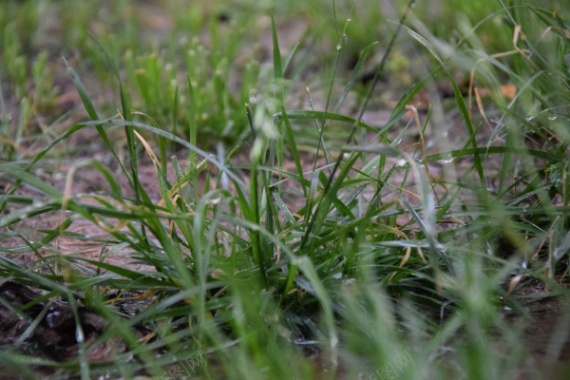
point(546, 338)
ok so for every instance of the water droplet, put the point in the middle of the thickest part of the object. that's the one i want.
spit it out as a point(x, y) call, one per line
point(349, 281)
point(448, 159)
point(552, 117)
point(529, 118)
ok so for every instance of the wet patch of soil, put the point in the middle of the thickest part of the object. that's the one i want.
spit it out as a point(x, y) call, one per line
point(48, 328)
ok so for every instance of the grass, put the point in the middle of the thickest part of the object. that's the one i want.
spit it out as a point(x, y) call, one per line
point(250, 216)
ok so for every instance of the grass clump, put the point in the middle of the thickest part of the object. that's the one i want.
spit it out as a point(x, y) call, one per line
point(320, 236)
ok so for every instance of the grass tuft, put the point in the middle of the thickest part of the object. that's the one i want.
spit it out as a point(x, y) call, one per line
point(241, 206)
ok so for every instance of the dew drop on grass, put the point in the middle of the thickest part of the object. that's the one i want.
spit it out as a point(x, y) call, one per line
point(79, 337)
point(252, 99)
point(448, 159)
point(552, 117)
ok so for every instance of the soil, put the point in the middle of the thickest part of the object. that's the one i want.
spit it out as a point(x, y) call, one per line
point(545, 336)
